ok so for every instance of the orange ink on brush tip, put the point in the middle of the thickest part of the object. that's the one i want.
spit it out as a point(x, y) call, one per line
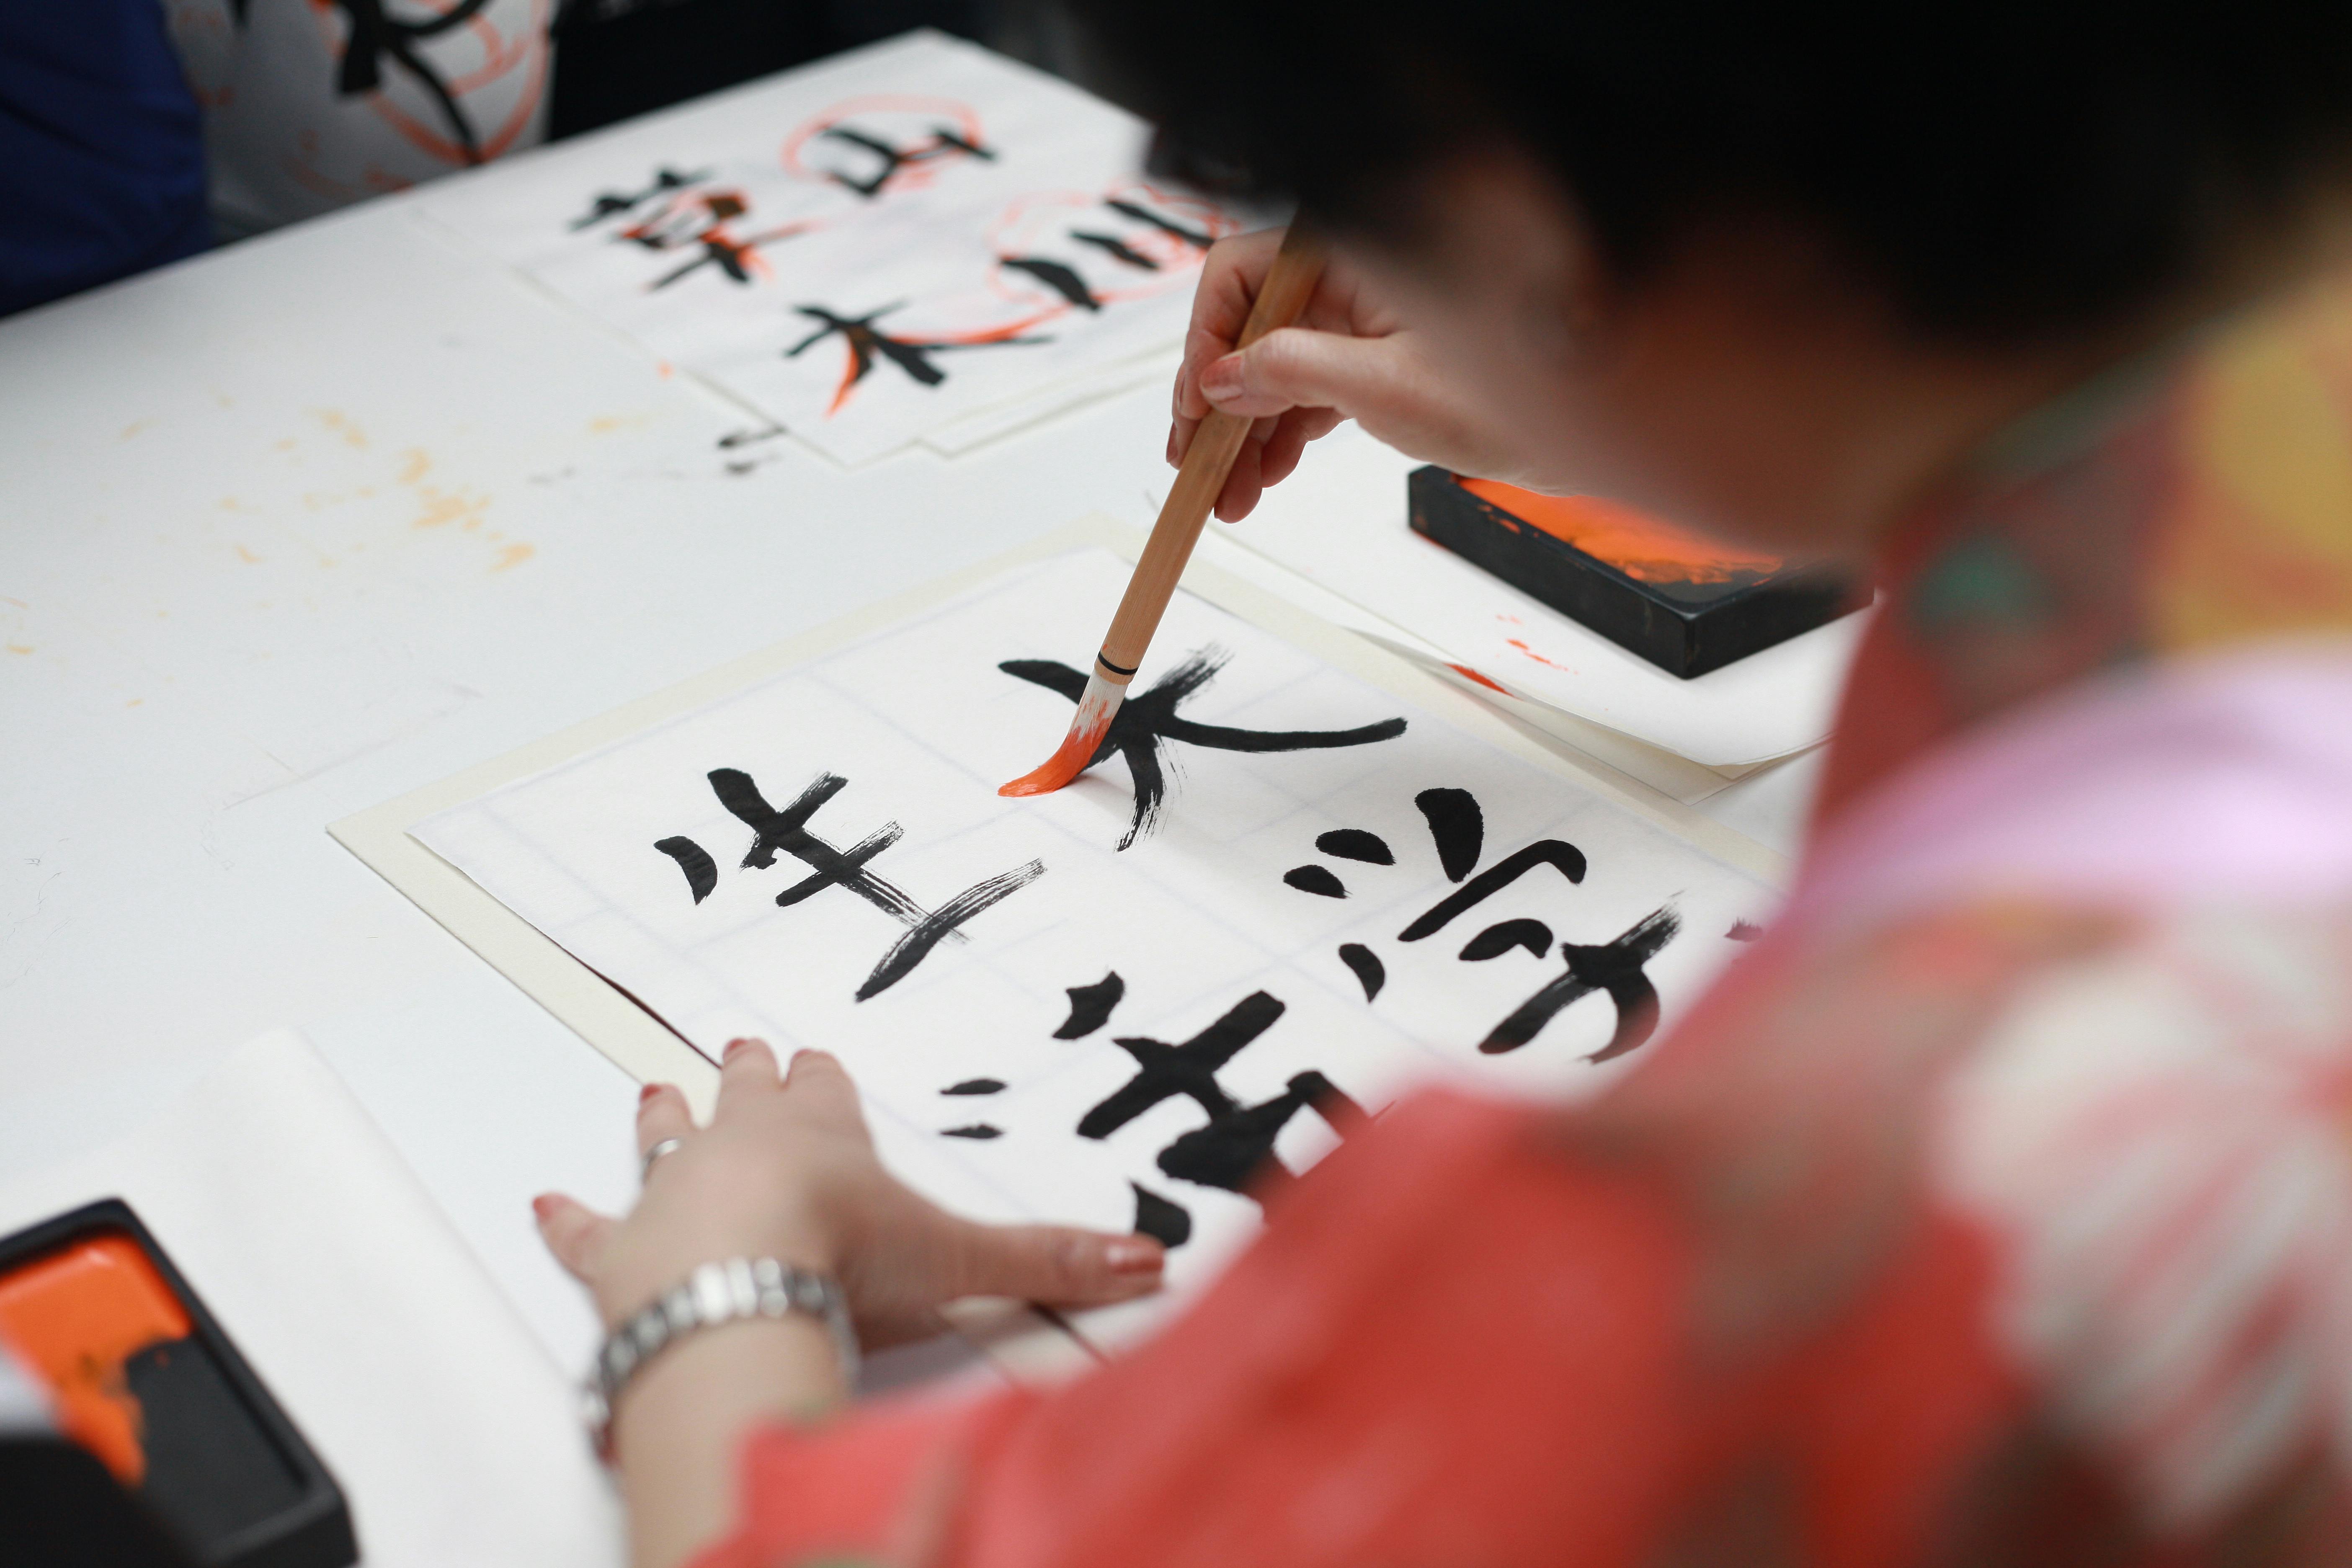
point(1637, 544)
point(74, 1317)
point(1068, 761)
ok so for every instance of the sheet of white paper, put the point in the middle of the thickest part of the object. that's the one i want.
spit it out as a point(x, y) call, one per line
point(1341, 524)
point(991, 424)
point(1209, 941)
point(454, 1438)
point(868, 248)
point(1675, 777)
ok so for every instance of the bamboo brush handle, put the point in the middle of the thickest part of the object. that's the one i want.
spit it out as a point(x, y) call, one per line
point(1288, 285)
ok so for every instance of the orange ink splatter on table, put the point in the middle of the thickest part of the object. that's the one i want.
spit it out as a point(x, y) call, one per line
point(339, 423)
point(20, 648)
point(1637, 544)
point(441, 508)
point(75, 1315)
point(513, 555)
point(1527, 652)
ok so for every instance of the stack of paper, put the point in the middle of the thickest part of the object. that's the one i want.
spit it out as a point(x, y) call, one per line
point(915, 241)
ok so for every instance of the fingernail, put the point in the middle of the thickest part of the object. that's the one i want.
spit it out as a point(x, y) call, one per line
point(733, 1047)
point(797, 1055)
point(1134, 1256)
point(648, 1092)
point(1171, 445)
point(1223, 379)
point(543, 1204)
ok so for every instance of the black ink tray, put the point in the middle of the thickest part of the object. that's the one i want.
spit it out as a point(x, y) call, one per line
point(228, 1478)
point(1686, 628)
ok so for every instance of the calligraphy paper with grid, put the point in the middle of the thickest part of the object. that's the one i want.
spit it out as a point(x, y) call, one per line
point(1288, 936)
point(868, 248)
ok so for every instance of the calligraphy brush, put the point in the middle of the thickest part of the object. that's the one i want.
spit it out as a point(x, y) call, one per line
point(1217, 441)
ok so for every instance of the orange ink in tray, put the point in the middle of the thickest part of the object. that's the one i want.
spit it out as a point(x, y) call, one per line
point(75, 1316)
point(1634, 543)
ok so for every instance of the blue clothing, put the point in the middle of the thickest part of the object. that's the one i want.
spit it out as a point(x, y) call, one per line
point(101, 148)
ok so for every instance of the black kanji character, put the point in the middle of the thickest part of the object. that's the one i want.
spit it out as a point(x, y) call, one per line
point(1315, 879)
point(1614, 967)
point(733, 256)
point(1558, 854)
point(1232, 1149)
point(910, 354)
point(1190, 1068)
point(1110, 244)
point(1090, 1006)
point(787, 830)
point(976, 1086)
point(944, 142)
point(1148, 721)
point(611, 203)
point(1168, 1222)
point(1456, 826)
point(677, 224)
point(1235, 1150)
point(1355, 844)
point(1058, 276)
point(701, 871)
point(1498, 939)
point(1192, 236)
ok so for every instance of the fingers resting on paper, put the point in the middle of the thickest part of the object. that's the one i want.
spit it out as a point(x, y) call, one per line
point(786, 1168)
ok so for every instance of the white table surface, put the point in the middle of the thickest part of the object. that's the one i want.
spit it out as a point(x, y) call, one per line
point(261, 526)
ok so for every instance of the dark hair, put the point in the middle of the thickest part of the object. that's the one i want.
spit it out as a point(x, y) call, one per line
point(2002, 174)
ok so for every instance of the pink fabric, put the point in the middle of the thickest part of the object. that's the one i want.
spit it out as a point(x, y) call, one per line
point(2226, 778)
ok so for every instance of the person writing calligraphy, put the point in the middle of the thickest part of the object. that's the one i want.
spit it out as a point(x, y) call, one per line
point(1995, 1206)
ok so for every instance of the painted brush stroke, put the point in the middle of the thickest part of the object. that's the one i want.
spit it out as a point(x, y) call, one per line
point(1615, 969)
point(701, 871)
point(1090, 1006)
point(1366, 966)
point(1148, 721)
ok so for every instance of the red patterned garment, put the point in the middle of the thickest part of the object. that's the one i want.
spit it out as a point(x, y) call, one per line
point(1995, 1209)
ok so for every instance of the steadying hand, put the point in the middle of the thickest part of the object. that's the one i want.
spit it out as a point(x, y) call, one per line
point(787, 1170)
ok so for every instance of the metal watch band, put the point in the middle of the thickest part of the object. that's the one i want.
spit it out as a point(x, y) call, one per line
point(713, 1294)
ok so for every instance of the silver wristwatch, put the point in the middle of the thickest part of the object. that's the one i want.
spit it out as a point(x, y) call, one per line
point(713, 1294)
